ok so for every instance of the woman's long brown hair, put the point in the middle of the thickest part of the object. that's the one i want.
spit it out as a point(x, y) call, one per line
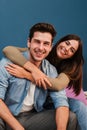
point(72, 67)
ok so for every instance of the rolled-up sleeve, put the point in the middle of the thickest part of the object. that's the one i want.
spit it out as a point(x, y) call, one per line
point(59, 98)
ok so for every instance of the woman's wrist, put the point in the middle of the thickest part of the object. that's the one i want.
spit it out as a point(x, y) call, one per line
point(27, 66)
point(30, 67)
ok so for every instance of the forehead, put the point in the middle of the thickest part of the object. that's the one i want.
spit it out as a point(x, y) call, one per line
point(43, 36)
point(74, 44)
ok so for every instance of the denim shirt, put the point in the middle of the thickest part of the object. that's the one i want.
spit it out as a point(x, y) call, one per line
point(13, 90)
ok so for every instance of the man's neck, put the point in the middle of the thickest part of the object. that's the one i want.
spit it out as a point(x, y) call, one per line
point(37, 64)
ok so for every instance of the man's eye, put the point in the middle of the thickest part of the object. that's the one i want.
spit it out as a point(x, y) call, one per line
point(47, 44)
point(37, 41)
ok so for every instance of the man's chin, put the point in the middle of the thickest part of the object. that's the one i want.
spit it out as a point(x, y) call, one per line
point(38, 59)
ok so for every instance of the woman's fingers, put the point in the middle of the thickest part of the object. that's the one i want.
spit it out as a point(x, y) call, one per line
point(15, 70)
point(45, 83)
point(13, 66)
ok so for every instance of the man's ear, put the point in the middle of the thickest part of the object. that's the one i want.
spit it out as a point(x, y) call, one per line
point(28, 43)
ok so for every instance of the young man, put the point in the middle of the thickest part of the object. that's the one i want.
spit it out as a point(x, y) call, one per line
point(22, 103)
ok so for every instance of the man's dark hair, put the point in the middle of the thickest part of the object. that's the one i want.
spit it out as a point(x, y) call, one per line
point(42, 27)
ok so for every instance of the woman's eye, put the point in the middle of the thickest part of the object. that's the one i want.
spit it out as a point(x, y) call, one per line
point(72, 50)
point(67, 43)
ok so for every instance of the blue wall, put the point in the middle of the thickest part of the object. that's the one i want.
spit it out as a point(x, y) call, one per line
point(17, 16)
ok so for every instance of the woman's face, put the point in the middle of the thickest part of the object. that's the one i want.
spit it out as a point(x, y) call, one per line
point(67, 49)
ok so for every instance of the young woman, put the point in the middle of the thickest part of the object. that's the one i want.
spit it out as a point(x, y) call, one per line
point(67, 57)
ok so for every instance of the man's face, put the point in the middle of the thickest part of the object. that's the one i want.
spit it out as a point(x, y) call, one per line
point(39, 46)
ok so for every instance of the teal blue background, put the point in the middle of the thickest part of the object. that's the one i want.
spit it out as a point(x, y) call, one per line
point(68, 16)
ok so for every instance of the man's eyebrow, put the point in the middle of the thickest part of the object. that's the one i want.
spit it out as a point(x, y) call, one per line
point(39, 40)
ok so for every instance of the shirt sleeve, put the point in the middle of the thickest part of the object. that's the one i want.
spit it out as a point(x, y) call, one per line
point(14, 54)
point(59, 98)
point(60, 82)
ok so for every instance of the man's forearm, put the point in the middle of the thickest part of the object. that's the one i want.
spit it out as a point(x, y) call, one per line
point(6, 115)
point(62, 116)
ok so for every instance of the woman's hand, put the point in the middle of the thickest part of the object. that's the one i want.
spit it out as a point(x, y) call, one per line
point(19, 72)
point(40, 78)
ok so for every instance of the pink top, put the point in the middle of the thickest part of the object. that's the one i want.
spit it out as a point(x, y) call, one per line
point(81, 96)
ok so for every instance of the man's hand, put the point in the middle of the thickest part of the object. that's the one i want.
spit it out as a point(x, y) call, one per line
point(7, 116)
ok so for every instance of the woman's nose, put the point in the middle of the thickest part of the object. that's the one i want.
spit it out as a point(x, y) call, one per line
point(67, 48)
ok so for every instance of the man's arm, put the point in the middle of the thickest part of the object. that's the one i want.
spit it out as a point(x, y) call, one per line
point(62, 108)
point(62, 116)
point(6, 115)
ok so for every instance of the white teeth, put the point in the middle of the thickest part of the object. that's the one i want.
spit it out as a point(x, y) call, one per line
point(39, 53)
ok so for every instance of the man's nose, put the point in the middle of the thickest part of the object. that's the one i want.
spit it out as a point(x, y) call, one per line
point(41, 46)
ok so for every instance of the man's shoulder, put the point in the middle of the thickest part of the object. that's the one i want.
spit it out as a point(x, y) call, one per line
point(49, 69)
point(4, 60)
point(47, 63)
point(25, 54)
